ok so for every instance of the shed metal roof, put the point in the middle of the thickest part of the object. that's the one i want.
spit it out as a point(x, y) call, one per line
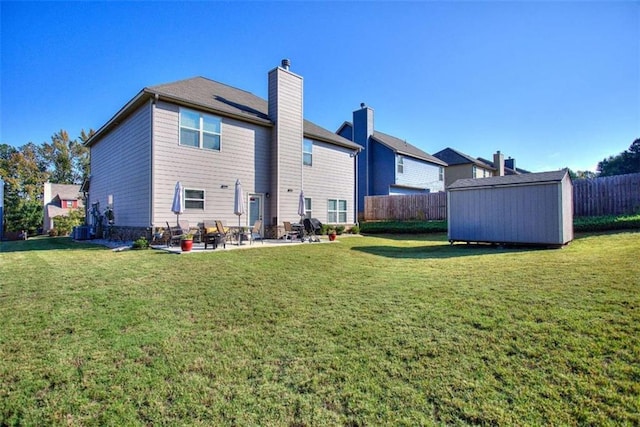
point(495, 181)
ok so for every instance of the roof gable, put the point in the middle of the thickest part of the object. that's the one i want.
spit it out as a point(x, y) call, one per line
point(397, 145)
point(66, 191)
point(455, 157)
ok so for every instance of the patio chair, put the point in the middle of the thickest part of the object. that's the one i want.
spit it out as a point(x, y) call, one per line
point(175, 234)
point(225, 231)
point(195, 231)
point(290, 232)
point(256, 232)
point(211, 235)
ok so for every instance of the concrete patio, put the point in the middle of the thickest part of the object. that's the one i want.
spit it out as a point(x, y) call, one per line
point(267, 243)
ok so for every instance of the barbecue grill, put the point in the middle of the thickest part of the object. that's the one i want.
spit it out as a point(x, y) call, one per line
point(312, 228)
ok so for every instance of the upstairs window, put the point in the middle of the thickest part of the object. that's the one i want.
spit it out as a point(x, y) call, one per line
point(400, 164)
point(336, 211)
point(199, 130)
point(193, 199)
point(441, 173)
point(307, 152)
point(474, 172)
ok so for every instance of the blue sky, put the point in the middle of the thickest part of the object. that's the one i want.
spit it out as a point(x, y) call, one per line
point(552, 84)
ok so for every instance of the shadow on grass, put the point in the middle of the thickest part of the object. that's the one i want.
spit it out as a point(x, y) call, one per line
point(442, 251)
point(45, 243)
point(440, 248)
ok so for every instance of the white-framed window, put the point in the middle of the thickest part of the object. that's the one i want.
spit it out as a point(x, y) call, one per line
point(441, 173)
point(336, 211)
point(307, 152)
point(193, 199)
point(474, 171)
point(199, 130)
point(400, 164)
point(307, 207)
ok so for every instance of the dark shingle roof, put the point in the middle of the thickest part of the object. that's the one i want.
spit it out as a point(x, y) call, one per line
point(203, 92)
point(403, 147)
point(455, 157)
point(399, 146)
point(495, 181)
point(216, 96)
point(66, 191)
point(212, 96)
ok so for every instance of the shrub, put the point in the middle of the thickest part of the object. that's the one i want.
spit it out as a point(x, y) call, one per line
point(64, 224)
point(355, 230)
point(141, 243)
point(607, 222)
point(403, 227)
point(339, 229)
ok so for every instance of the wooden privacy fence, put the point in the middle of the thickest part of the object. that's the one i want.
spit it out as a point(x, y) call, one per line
point(609, 195)
point(431, 206)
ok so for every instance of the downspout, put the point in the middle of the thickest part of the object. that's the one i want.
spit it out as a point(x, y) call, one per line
point(153, 101)
point(356, 207)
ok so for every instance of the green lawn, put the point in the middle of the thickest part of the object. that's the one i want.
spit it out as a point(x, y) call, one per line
point(393, 330)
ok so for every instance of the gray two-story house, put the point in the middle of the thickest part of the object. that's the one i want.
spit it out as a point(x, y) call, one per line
point(389, 165)
point(207, 135)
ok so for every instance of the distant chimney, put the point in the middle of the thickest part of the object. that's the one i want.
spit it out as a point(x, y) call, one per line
point(510, 163)
point(498, 163)
point(286, 64)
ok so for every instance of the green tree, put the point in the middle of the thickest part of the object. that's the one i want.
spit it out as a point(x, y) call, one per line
point(68, 160)
point(626, 162)
point(24, 172)
point(582, 174)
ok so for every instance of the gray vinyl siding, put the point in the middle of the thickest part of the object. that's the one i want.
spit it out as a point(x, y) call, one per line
point(419, 174)
point(285, 109)
point(244, 155)
point(529, 213)
point(330, 177)
point(121, 166)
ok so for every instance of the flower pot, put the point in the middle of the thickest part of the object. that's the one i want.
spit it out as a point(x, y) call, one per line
point(186, 245)
point(332, 237)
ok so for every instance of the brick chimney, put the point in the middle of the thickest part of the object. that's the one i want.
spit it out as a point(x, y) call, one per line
point(498, 163)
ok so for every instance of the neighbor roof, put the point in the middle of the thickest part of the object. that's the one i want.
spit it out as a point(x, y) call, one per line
point(517, 170)
point(496, 181)
point(218, 98)
point(65, 191)
point(399, 146)
point(455, 157)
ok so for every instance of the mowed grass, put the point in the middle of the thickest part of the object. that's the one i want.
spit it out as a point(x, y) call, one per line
point(394, 330)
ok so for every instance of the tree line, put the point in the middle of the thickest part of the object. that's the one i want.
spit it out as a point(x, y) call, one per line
point(25, 169)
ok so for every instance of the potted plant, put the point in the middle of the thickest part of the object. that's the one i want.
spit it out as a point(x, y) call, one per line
point(186, 242)
point(331, 232)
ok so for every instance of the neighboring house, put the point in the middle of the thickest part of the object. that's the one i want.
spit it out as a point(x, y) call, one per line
point(463, 166)
point(207, 135)
point(509, 166)
point(388, 165)
point(58, 200)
